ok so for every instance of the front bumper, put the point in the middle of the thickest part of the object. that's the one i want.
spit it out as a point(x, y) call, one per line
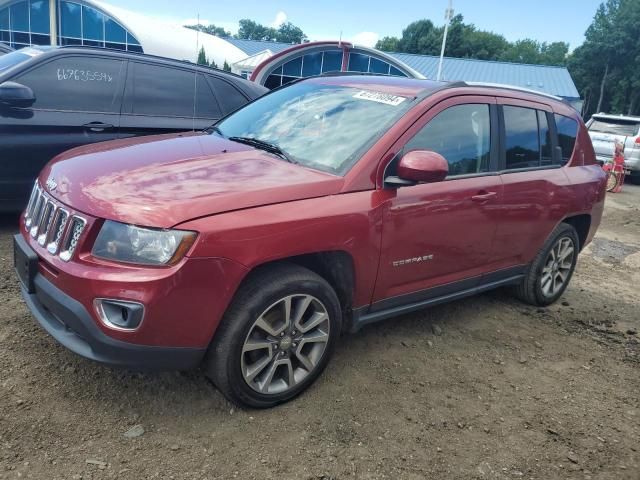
point(70, 324)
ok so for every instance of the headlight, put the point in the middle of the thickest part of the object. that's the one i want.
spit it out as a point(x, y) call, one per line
point(127, 243)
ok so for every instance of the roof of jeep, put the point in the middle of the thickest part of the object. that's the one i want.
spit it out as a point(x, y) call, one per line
point(403, 86)
point(411, 87)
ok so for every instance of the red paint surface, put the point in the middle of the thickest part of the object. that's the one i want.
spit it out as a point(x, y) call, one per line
point(250, 207)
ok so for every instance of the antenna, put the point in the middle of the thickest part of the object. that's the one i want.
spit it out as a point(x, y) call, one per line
point(195, 76)
point(448, 15)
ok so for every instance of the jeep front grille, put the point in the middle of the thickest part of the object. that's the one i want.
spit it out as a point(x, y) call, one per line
point(53, 226)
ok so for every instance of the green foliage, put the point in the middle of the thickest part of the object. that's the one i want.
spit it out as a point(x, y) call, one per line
point(285, 33)
point(213, 64)
point(226, 67)
point(464, 40)
point(210, 29)
point(606, 67)
point(202, 57)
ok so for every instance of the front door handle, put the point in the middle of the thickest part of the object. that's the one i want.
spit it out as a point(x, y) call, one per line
point(98, 126)
point(483, 197)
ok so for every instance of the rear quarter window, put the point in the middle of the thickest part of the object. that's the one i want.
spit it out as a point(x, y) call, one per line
point(229, 97)
point(567, 131)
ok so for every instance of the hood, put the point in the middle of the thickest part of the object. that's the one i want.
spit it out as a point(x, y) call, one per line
point(162, 181)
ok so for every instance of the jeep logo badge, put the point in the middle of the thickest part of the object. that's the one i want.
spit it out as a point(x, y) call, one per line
point(51, 184)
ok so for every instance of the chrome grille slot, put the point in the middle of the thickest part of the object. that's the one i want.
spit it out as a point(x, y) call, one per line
point(35, 193)
point(53, 227)
point(76, 227)
point(45, 223)
point(59, 224)
point(37, 215)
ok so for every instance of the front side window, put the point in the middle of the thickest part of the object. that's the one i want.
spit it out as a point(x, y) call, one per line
point(462, 135)
point(80, 84)
point(321, 126)
point(522, 139)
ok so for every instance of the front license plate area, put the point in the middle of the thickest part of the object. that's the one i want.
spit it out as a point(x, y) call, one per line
point(25, 262)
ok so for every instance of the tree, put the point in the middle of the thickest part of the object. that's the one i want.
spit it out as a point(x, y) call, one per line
point(250, 30)
point(226, 67)
point(202, 57)
point(213, 64)
point(420, 37)
point(388, 44)
point(211, 29)
point(554, 53)
point(289, 33)
point(522, 51)
point(606, 67)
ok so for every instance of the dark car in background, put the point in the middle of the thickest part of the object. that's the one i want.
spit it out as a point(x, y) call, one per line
point(5, 49)
point(54, 99)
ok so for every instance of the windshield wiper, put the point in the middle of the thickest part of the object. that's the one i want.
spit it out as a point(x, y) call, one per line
point(266, 146)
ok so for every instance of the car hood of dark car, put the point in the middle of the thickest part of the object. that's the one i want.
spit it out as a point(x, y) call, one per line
point(162, 181)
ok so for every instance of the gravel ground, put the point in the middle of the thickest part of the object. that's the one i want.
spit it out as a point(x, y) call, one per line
point(481, 388)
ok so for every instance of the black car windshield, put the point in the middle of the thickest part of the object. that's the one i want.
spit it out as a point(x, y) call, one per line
point(320, 126)
point(14, 58)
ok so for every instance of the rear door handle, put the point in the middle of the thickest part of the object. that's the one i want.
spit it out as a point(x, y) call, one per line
point(483, 197)
point(98, 126)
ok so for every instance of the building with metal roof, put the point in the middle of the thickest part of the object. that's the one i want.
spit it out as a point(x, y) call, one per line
point(98, 24)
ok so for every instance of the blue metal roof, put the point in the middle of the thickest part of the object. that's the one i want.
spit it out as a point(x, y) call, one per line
point(251, 47)
point(551, 80)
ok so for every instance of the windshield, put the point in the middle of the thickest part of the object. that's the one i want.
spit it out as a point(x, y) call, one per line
point(320, 126)
point(14, 58)
point(628, 128)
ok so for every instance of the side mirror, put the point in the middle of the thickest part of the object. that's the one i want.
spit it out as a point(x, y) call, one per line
point(421, 166)
point(15, 94)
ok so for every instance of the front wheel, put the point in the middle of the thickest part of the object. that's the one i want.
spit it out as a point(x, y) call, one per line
point(276, 337)
point(552, 269)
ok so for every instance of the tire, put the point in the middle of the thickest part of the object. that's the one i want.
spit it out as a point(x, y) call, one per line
point(254, 331)
point(535, 288)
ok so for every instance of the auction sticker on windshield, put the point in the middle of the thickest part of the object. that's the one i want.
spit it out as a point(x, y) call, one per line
point(380, 97)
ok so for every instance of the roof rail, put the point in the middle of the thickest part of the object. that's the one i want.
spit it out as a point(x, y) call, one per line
point(142, 54)
point(515, 88)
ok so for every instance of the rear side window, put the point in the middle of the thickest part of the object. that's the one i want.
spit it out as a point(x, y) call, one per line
point(79, 84)
point(522, 140)
point(462, 135)
point(228, 95)
point(162, 91)
point(567, 132)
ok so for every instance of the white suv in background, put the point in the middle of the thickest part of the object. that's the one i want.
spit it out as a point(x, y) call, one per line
point(606, 129)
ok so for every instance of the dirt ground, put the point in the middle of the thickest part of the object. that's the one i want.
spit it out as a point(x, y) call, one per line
point(481, 388)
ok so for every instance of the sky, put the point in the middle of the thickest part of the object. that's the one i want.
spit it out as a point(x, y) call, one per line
point(364, 22)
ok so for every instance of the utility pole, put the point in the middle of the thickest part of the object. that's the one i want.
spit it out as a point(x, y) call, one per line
point(448, 15)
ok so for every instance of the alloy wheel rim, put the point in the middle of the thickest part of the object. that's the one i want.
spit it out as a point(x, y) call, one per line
point(557, 266)
point(285, 344)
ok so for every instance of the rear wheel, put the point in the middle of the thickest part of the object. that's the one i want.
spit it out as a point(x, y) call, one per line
point(276, 337)
point(552, 269)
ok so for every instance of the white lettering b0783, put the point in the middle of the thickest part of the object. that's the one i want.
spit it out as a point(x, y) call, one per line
point(77, 75)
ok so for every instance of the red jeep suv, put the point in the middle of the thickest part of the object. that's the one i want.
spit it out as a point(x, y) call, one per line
point(319, 208)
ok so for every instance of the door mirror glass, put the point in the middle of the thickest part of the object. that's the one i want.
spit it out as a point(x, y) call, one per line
point(423, 166)
point(16, 95)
